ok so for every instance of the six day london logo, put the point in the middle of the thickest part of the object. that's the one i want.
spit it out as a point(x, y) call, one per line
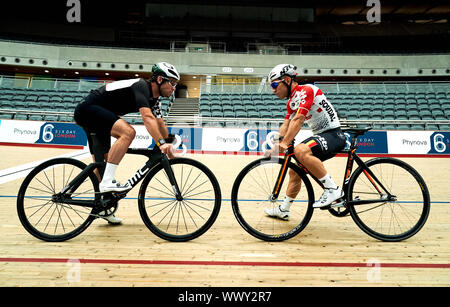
point(62, 134)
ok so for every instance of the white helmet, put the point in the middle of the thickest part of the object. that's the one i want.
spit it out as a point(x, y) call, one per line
point(282, 70)
point(166, 70)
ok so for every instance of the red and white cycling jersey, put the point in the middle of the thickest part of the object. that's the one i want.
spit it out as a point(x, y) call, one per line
point(309, 100)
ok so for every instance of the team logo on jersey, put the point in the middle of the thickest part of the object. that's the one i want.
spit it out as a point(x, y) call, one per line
point(328, 109)
point(299, 98)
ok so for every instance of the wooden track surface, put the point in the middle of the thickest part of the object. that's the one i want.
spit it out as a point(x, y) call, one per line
point(331, 251)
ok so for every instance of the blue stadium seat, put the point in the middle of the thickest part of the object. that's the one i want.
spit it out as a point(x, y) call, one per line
point(65, 118)
point(229, 114)
point(205, 113)
point(6, 115)
point(216, 114)
point(253, 114)
point(216, 107)
point(35, 117)
point(226, 108)
point(426, 115)
point(241, 114)
point(20, 117)
point(239, 108)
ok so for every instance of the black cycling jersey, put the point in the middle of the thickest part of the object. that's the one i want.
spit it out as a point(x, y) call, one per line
point(126, 96)
point(102, 107)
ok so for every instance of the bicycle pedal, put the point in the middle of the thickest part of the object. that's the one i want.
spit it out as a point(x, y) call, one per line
point(325, 208)
point(338, 203)
point(120, 194)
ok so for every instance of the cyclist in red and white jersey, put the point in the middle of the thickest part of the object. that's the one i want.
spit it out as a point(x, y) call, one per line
point(306, 104)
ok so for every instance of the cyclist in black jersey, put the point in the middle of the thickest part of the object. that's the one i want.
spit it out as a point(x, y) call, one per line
point(99, 114)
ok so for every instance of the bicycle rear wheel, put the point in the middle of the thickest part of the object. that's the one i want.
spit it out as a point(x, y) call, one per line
point(390, 220)
point(183, 220)
point(251, 194)
point(38, 211)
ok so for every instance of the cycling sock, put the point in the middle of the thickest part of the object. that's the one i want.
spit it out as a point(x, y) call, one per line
point(286, 205)
point(110, 171)
point(327, 182)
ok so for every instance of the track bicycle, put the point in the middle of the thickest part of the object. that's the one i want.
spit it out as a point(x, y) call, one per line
point(386, 197)
point(179, 199)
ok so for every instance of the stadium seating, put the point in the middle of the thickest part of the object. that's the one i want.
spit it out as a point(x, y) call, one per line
point(402, 104)
point(20, 103)
point(405, 106)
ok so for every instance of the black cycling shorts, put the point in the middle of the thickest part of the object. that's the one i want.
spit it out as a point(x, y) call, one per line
point(327, 144)
point(96, 120)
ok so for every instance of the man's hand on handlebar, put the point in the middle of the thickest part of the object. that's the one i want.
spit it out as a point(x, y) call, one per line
point(277, 148)
point(167, 148)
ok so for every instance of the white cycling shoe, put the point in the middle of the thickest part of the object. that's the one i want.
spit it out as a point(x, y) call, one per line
point(113, 220)
point(113, 186)
point(329, 195)
point(278, 212)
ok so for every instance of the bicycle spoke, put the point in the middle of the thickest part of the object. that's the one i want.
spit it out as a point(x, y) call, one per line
point(194, 204)
point(172, 202)
point(187, 196)
point(165, 186)
point(162, 203)
point(192, 219)
point(197, 186)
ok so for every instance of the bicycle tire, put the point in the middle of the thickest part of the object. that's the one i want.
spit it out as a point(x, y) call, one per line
point(253, 218)
point(401, 174)
point(205, 209)
point(29, 197)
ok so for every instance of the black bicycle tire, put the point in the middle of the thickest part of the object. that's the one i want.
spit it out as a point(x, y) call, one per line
point(425, 193)
point(185, 237)
point(250, 229)
point(21, 194)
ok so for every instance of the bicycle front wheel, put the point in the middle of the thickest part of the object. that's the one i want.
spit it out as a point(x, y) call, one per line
point(40, 213)
point(180, 220)
point(251, 196)
point(394, 220)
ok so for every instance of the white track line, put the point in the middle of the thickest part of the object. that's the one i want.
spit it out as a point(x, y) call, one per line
point(21, 171)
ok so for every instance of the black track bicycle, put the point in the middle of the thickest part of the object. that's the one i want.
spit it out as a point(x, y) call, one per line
point(179, 199)
point(386, 197)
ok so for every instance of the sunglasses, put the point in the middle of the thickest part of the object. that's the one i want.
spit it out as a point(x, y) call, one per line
point(173, 83)
point(275, 84)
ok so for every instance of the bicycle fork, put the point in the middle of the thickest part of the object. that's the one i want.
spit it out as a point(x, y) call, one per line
point(173, 182)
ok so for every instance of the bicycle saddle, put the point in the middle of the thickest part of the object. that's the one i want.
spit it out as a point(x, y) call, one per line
point(356, 131)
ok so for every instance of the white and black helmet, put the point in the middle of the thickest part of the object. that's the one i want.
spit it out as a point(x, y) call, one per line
point(282, 70)
point(165, 70)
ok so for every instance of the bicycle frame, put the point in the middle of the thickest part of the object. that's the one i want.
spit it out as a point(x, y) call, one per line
point(154, 156)
point(352, 157)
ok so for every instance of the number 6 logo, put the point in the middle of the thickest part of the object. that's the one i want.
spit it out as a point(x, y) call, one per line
point(47, 134)
point(439, 144)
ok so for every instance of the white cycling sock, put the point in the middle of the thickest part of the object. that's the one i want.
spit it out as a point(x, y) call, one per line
point(110, 171)
point(286, 205)
point(327, 182)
